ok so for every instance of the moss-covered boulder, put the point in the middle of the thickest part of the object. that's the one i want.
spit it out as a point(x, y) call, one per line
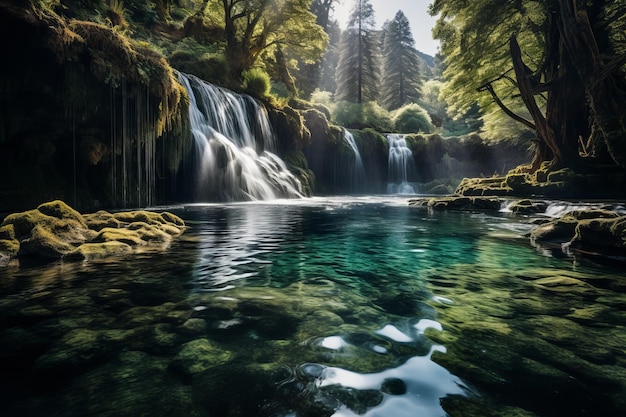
point(458, 203)
point(55, 230)
point(562, 183)
point(596, 232)
point(526, 206)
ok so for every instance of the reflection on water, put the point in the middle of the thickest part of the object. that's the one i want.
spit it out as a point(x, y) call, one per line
point(336, 307)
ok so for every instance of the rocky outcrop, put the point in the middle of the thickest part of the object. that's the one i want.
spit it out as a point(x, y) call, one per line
point(594, 232)
point(54, 230)
point(459, 203)
point(563, 183)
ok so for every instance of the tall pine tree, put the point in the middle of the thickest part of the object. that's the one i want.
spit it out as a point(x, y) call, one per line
point(358, 70)
point(401, 65)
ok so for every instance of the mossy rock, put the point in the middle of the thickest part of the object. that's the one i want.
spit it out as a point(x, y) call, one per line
point(55, 230)
point(592, 214)
point(559, 230)
point(101, 219)
point(172, 218)
point(9, 247)
point(515, 181)
point(597, 233)
point(139, 216)
point(62, 211)
point(24, 222)
point(7, 232)
point(43, 242)
point(526, 206)
point(461, 203)
point(562, 175)
point(130, 237)
point(89, 251)
point(199, 356)
point(150, 233)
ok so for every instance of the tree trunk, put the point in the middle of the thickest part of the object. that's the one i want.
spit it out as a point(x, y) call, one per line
point(283, 72)
point(527, 86)
point(605, 96)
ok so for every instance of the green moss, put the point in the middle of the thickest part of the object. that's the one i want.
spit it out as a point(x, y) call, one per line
point(172, 218)
point(89, 251)
point(7, 232)
point(62, 211)
point(25, 221)
point(43, 242)
point(129, 237)
point(150, 233)
point(560, 230)
point(101, 219)
point(199, 356)
point(9, 247)
point(140, 216)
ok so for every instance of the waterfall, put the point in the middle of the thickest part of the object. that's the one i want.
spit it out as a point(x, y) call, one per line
point(359, 170)
point(401, 166)
point(235, 146)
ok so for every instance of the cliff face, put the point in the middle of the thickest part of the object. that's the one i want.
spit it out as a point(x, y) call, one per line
point(86, 114)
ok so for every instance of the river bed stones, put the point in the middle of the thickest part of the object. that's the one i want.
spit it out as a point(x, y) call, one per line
point(54, 230)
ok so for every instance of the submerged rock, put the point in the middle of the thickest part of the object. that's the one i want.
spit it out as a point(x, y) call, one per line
point(200, 355)
point(54, 230)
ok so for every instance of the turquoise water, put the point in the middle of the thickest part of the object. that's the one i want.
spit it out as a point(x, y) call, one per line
point(319, 307)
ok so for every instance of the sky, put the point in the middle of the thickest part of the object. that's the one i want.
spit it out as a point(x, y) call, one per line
point(415, 10)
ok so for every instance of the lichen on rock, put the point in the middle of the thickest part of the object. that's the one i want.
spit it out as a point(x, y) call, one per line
point(55, 230)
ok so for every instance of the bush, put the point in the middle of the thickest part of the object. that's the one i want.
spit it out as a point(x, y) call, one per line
point(257, 82)
point(411, 118)
point(359, 116)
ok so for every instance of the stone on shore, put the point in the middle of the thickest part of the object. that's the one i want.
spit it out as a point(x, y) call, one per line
point(54, 230)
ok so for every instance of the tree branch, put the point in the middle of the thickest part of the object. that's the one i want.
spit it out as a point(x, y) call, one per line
point(488, 87)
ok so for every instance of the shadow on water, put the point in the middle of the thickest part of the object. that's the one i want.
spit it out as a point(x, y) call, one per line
point(336, 307)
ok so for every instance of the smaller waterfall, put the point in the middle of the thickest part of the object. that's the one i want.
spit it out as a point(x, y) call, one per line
point(236, 146)
point(359, 170)
point(401, 166)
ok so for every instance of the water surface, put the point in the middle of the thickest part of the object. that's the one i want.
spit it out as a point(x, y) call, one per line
point(318, 307)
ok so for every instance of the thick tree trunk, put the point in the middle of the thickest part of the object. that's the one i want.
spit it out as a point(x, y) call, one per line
point(605, 96)
point(527, 86)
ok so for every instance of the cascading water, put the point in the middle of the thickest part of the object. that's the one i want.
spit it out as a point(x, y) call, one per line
point(236, 147)
point(359, 170)
point(400, 167)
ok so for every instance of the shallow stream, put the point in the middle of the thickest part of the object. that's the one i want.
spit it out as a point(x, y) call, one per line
point(319, 307)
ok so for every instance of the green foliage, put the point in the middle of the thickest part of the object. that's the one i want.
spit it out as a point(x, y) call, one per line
point(204, 61)
point(355, 115)
point(280, 90)
point(474, 40)
point(324, 98)
point(401, 65)
point(255, 29)
point(256, 82)
point(358, 69)
point(411, 118)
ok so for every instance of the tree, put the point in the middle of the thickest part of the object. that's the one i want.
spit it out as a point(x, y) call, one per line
point(401, 65)
point(310, 75)
point(256, 27)
point(562, 60)
point(358, 70)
